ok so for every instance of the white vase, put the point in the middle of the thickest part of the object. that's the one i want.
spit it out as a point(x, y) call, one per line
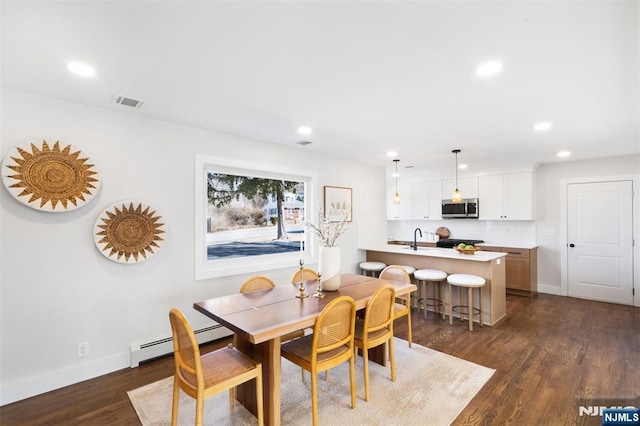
point(329, 267)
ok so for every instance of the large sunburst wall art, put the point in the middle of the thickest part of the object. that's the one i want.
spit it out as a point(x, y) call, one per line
point(53, 179)
point(129, 232)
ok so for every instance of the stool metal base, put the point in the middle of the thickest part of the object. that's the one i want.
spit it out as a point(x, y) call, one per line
point(468, 309)
point(462, 310)
point(430, 302)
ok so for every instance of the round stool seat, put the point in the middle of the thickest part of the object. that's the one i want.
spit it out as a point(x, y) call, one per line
point(423, 276)
point(372, 267)
point(430, 275)
point(466, 280)
point(410, 269)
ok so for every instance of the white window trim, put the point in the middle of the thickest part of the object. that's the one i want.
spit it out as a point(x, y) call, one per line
point(206, 269)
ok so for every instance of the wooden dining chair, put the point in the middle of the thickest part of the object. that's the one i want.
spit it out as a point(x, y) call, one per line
point(257, 282)
point(376, 329)
point(308, 274)
point(261, 282)
point(402, 307)
point(330, 345)
point(202, 376)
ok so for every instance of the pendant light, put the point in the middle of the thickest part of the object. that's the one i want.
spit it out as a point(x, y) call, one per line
point(456, 197)
point(396, 197)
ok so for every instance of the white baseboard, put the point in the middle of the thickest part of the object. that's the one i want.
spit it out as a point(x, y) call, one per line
point(52, 380)
point(550, 289)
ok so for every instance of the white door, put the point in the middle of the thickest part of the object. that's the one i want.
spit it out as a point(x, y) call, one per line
point(600, 241)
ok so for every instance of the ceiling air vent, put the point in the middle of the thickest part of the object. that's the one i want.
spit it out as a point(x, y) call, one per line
point(123, 100)
point(304, 143)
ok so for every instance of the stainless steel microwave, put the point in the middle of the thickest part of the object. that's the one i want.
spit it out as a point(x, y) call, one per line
point(466, 209)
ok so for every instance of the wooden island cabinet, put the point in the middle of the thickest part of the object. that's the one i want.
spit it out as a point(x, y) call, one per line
point(521, 269)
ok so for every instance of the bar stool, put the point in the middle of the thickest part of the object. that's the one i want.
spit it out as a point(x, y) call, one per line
point(372, 267)
point(410, 270)
point(425, 276)
point(469, 282)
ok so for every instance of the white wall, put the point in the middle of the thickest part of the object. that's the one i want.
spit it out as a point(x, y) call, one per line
point(58, 290)
point(549, 214)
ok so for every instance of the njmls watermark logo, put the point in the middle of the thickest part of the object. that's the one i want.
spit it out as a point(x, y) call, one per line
point(621, 416)
point(612, 412)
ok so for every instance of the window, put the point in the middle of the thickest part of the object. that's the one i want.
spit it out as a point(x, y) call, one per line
point(250, 217)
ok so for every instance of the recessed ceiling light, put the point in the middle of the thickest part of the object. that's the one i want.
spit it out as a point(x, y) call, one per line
point(489, 69)
point(563, 154)
point(81, 69)
point(304, 130)
point(542, 126)
point(463, 166)
point(392, 154)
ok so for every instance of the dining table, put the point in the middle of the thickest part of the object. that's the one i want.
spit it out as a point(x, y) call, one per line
point(259, 319)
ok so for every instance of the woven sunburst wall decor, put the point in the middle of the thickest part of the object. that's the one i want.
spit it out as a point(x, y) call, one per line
point(129, 232)
point(53, 179)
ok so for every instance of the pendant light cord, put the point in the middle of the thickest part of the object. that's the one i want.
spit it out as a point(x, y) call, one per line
point(456, 171)
point(396, 161)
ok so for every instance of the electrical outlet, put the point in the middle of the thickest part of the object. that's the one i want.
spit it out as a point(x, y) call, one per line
point(83, 349)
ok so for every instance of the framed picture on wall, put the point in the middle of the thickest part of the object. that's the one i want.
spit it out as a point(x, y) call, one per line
point(337, 203)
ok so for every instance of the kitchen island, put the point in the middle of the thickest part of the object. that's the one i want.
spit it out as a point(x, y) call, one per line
point(489, 265)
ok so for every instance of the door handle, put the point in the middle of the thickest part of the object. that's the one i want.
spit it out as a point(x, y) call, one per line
point(572, 245)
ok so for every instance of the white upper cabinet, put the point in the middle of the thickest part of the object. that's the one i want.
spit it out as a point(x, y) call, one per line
point(427, 200)
point(468, 186)
point(506, 197)
point(400, 211)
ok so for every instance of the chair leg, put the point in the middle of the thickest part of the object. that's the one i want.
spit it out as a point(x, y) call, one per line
point(176, 398)
point(392, 360)
point(352, 374)
point(365, 363)
point(259, 397)
point(314, 397)
point(231, 397)
point(199, 409)
point(409, 333)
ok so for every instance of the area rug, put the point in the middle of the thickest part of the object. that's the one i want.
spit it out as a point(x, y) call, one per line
point(430, 388)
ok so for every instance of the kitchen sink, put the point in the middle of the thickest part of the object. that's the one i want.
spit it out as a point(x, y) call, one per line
point(421, 248)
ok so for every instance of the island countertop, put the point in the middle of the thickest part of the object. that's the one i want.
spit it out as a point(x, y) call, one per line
point(447, 253)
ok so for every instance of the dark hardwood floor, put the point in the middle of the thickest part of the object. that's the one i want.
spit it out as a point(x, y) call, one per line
point(551, 355)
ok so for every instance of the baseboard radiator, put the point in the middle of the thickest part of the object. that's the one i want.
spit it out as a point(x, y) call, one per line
point(141, 352)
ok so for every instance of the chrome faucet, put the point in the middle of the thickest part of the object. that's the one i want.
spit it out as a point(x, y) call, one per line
point(415, 242)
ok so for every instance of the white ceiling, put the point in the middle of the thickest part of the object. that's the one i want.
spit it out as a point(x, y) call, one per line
point(368, 77)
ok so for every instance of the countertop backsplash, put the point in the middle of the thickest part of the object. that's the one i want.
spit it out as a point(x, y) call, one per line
point(517, 233)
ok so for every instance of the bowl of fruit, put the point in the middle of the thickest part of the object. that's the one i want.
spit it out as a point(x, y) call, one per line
point(465, 248)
